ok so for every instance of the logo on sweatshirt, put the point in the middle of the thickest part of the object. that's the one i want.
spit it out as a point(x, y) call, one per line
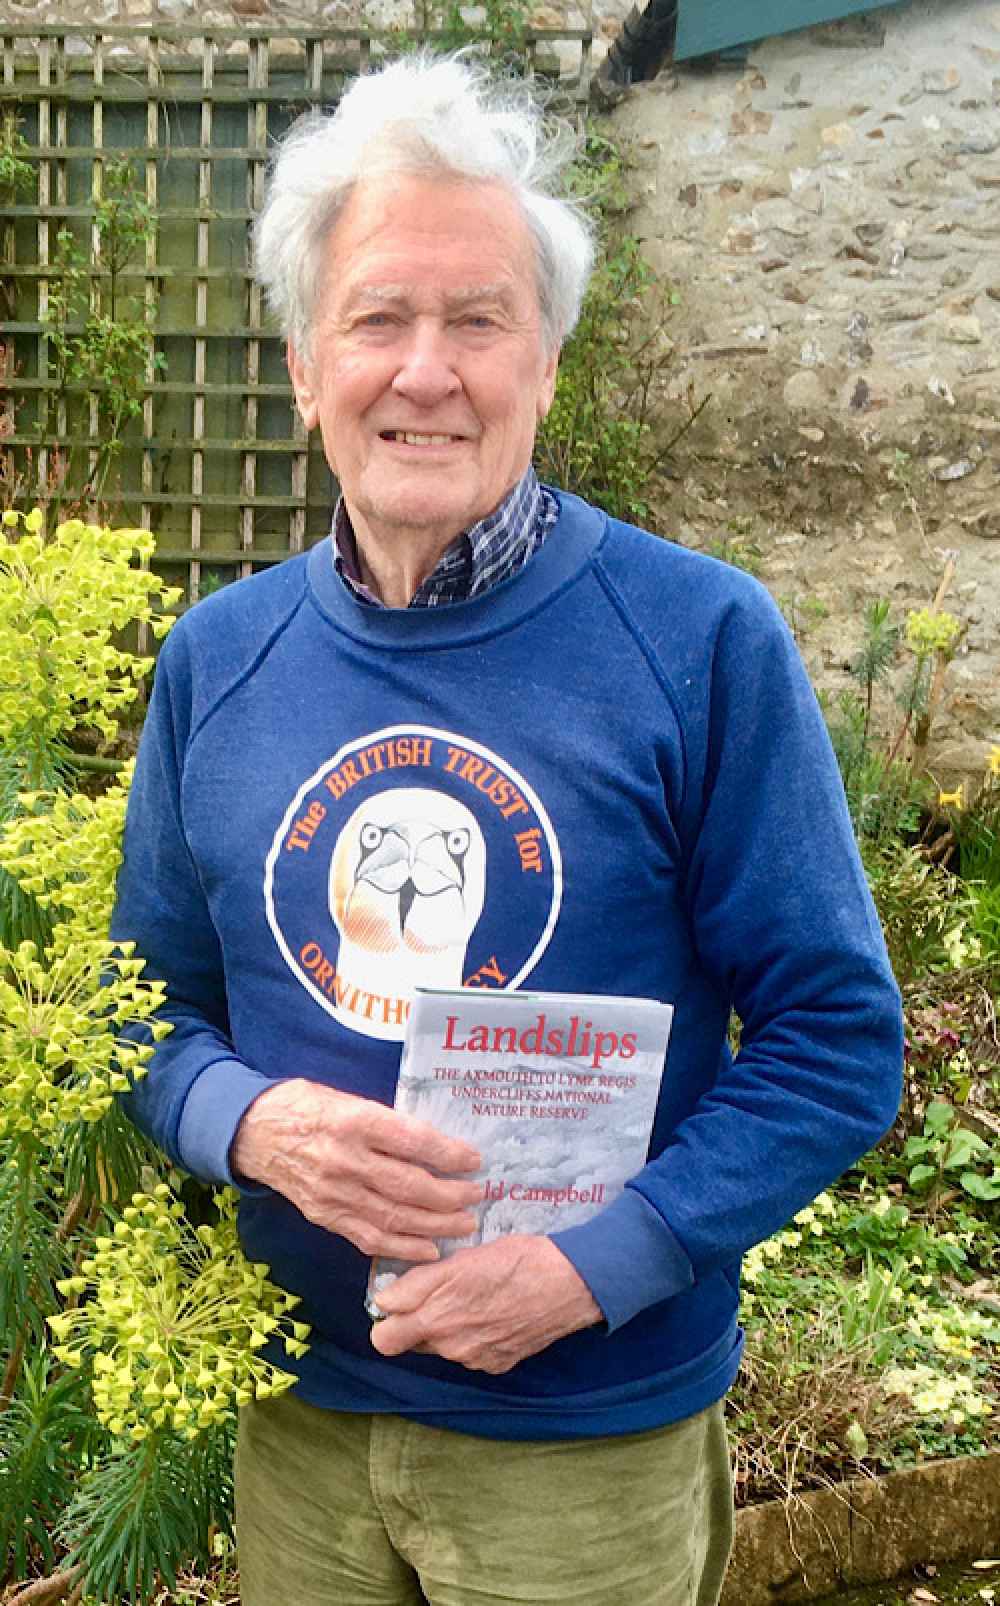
point(412, 858)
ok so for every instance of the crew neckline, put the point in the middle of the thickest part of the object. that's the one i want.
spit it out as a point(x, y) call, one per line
point(562, 557)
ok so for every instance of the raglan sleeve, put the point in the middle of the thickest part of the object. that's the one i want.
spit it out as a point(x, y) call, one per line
point(782, 919)
point(195, 1089)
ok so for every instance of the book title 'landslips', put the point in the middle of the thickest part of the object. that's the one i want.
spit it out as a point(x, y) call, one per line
point(579, 1042)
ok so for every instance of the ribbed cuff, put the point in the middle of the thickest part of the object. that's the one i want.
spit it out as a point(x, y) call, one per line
point(213, 1109)
point(628, 1257)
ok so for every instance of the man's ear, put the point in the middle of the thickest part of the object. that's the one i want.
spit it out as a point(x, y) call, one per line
point(547, 384)
point(306, 399)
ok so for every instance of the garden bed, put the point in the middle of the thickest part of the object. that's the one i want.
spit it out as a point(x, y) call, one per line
point(865, 1531)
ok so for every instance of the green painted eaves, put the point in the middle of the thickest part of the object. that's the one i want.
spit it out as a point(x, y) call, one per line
point(704, 26)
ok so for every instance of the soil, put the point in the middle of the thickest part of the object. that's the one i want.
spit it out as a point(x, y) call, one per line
point(948, 1585)
point(831, 524)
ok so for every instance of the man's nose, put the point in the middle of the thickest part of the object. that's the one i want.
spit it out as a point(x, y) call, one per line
point(426, 373)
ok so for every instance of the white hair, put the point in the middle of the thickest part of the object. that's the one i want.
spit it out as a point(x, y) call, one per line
point(426, 116)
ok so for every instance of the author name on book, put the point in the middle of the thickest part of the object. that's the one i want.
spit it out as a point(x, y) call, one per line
point(536, 1194)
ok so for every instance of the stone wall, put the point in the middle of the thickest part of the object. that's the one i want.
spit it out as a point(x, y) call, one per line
point(830, 214)
point(182, 11)
point(603, 16)
point(866, 1530)
point(598, 20)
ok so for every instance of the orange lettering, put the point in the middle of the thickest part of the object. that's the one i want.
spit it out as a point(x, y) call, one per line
point(528, 848)
point(490, 971)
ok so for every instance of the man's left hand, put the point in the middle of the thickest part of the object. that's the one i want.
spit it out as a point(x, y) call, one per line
point(487, 1307)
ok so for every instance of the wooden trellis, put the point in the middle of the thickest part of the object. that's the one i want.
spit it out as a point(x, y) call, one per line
point(218, 465)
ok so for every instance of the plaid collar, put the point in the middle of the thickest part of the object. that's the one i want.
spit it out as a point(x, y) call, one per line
point(489, 552)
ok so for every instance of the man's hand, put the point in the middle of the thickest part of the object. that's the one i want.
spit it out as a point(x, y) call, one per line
point(487, 1307)
point(359, 1169)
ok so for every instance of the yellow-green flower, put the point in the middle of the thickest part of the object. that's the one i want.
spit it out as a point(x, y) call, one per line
point(66, 851)
point(172, 1319)
point(928, 632)
point(62, 1056)
point(62, 598)
point(65, 1047)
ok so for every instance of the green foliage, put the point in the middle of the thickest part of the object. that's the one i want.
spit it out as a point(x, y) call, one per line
point(111, 358)
point(884, 776)
point(46, 1434)
point(885, 791)
point(933, 922)
point(17, 176)
point(977, 830)
point(886, 1233)
point(937, 1049)
point(946, 1154)
point(984, 917)
point(124, 221)
point(855, 1352)
point(803, 613)
point(64, 598)
point(145, 1508)
point(596, 438)
point(884, 795)
point(867, 1341)
point(450, 25)
point(32, 1255)
point(924, 911)
point(17, 180)
point(592, 441)
point(172, 1318)
point(100, 335)
point(129, 1332)
point(881, 641)
point(738, 547)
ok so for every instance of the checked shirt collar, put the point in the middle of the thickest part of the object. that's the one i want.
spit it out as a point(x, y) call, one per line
point(480, 558)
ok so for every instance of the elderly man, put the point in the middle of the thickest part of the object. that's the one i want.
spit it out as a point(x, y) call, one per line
point(486, 736)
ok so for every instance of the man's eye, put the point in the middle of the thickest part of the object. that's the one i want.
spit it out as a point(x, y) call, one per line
point(371, 320)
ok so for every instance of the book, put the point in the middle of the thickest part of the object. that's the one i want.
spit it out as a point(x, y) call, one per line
point(557, 1091)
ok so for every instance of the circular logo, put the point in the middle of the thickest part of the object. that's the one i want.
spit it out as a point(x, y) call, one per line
point(412, 858)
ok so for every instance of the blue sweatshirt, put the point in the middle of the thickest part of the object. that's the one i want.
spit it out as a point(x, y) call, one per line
point(609, 774)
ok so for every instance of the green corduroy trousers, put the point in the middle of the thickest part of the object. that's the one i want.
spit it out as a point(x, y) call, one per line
point(339, 1509)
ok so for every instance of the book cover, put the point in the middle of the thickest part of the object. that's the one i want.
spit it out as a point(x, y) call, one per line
point(556, 1090)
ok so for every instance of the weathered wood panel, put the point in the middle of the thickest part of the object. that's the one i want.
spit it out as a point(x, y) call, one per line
point(218, 464)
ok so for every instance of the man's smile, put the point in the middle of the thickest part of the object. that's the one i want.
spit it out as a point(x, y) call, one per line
point(407, 437)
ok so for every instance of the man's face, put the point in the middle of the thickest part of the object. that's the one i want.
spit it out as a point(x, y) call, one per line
point(428, 371)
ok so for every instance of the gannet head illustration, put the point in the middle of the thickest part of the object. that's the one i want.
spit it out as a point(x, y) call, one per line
point(407, 882)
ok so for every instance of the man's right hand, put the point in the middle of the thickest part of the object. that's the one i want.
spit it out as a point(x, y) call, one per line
point(359, 1169)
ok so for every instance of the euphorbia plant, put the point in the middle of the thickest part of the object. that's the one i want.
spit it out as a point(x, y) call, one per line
point(128, 1331)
